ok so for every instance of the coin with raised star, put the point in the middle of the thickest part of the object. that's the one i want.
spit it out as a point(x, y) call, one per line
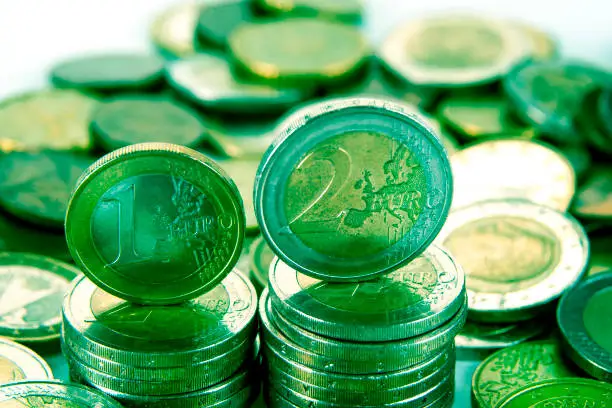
point(155, 223)
point(410, 301)
point(453, 50)
point(563, 392)
point(584, 317)
point(518, 257)
point(512, 169)
point(364, 193)
point(41, 394)
point(32, 289)
point(19, 363)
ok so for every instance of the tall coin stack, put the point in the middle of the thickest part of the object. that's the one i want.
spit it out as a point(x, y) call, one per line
point(160, 319)
point(360, 309)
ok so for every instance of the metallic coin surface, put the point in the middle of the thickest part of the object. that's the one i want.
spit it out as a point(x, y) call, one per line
point(512, 169)
point(604, 105)
point(173, 30)
point(408, 302)
point(453, 50)
point(55, 119)
point(299, 51)
point(549, 94)
point(591, 124)
point(518, 257)
point(42, 394)
point(127, 120)
point(216, 22)
point(543, 46)
point(512, 368)
point(342, 10)
point(593, 199)
point(476, 118)
point(19, 363)
point(382, 356)
point(261, 257)
point(141, 336)
point(36, 186)
point(381, 191)
point(206, 79)
point(110, 72)
point(579, 157)
point(564, 391)
point(600, 259)
point(155, 223)
point(243, 172)
point(32, 288)
point(583, 315)
point(242, 139)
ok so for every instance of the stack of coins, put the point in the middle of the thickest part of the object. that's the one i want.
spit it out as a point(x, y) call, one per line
point(360, 310)
point(160, 319)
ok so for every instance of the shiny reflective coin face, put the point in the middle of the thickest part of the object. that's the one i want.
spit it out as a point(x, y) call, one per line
point(352, 189)
point(512, 169)
point(125, 72)
point(19, 363)
point(56, 119)
point(173, 30)
point(594, 197)
point(517, 256)
point(549, 95)
point(512, 368)
point(261, 258)
point(32, 288)
point(407, 302)
point(155, 223)
point(128, 120)
point(36, 186)
point(243, 172)
point(50, 394)
point(299, 51)
point(566, 391)
point(217, 21)
point(584, 318)
point(452, 50)
point(210, 319)
point(207, 80)
point(342, 10)
point(476, 337)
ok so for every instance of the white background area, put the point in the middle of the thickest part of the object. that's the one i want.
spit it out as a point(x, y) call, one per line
point(35, 33)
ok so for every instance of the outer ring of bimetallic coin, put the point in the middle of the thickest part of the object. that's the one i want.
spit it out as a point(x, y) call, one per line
point(33, 366)
point(72, 392)
point(300, 134)
point(522, 304)
point(586, 353)
point(569, 387)
point(78, 318)
point(142, 159)
point(50, 266)
point(393, 56)
point(444, 301)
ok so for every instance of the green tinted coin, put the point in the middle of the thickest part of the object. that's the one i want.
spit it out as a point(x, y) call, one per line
point(32, 288)
point(217, 21)
point(549, 94)
point(451, 51)
point(601, 258)
point(591, 125)
point(16, 236)
point(605, 110)
point(261, 257)
point(512, 368)
point(207, 80)
point(475, 118)
point(579, 157)
point(408, 302)
point(584, 316)
point(110, 72)
point(100, 325)
point(19, 363)
point(561, 392)
point(128, 120)
point(56, 119)
point(173, 30)
point(512, 169)
point(36, 186)
point(52, 394)
point(155, 223)
point(593, 199)
point(342, 10)
point(518, 257)
point(243, 173)
point(299, 51)
point(236, 138)
point(352, 189)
